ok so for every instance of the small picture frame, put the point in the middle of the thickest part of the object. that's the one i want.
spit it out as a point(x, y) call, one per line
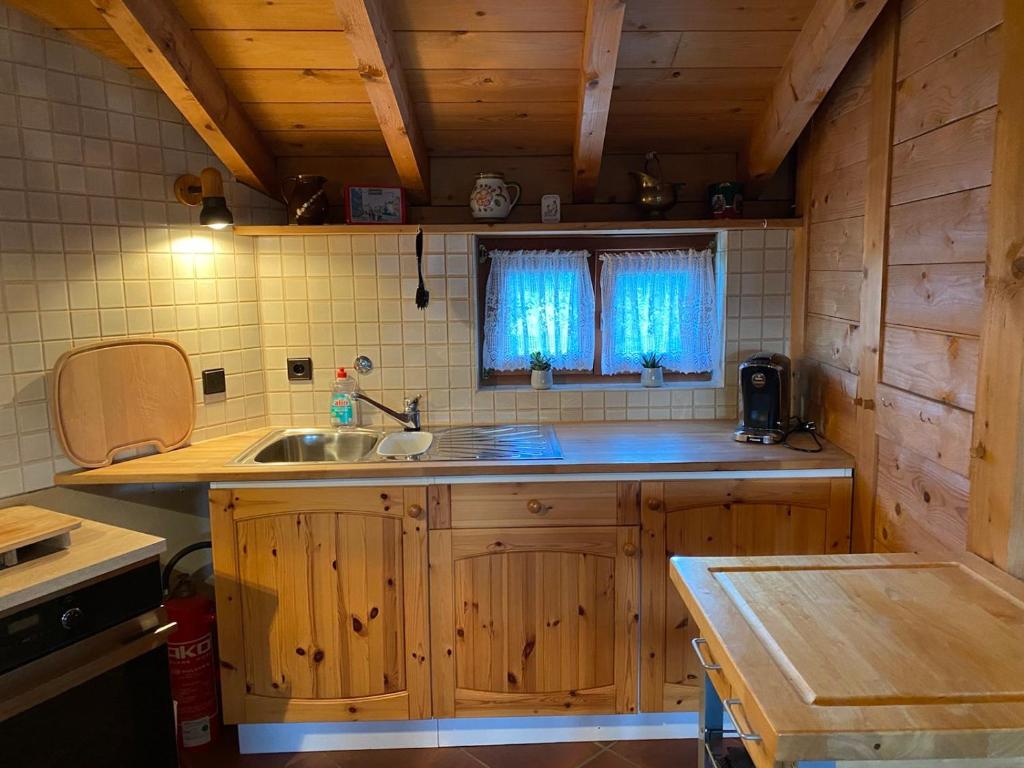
point(374, 205)
point(550, 209)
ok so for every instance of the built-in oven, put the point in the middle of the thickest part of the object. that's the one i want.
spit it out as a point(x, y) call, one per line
point(84, 679)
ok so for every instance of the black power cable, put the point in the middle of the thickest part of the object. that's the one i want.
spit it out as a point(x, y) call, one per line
point(806, 428)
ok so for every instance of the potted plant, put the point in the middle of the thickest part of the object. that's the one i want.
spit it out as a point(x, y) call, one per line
point(540, 371)
point(652, 374)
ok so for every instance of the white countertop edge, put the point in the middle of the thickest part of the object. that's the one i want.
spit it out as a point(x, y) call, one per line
point(740, 474)
point(65, 581)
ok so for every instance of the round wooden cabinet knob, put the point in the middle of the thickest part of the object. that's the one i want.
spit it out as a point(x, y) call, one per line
point(653, 503)
point(534, 506)
point(629, 549)
point(415, 511)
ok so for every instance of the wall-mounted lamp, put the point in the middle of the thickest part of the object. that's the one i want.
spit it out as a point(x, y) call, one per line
point(206, 188)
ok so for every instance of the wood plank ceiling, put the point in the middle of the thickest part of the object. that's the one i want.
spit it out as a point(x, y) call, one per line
point(485, 77)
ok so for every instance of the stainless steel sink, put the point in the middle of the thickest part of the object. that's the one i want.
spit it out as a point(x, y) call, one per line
point(514, 442)
point(312, 446)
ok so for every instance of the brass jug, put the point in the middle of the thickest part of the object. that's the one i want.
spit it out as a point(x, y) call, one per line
point(654, 196)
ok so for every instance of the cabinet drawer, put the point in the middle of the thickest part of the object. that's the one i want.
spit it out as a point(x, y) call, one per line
point(493, 505)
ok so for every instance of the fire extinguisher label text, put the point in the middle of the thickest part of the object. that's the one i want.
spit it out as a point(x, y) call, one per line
point(191, 650)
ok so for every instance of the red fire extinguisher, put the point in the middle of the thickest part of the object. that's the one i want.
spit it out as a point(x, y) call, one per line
point(193, 659)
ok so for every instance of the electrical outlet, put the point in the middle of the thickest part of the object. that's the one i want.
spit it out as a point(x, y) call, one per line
point(213, 381)
point(300, 369)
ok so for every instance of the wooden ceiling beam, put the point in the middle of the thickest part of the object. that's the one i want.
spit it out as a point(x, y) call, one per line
point(159, 38)
point(597, 76)
point(833, 31)
point(379, 65)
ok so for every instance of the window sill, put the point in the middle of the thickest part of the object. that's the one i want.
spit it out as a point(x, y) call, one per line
point(598, 386)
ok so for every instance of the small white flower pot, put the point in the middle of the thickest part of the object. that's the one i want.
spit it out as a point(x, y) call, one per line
point(542, 379)
point(652, 377)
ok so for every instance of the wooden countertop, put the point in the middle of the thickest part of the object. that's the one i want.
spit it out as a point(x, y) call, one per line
point(96, 549)
point(599, 448)
point(861, 657)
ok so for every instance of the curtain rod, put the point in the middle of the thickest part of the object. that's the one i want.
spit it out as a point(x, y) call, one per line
point(710, 247)
point(485, 253)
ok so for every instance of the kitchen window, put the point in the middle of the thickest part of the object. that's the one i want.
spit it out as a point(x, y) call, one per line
point(596, 305)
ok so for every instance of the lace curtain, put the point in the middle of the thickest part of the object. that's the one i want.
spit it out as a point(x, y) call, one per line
point(661, 302)
point(539, 301)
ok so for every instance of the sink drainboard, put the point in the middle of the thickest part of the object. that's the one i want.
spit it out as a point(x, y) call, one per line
point(514, 442)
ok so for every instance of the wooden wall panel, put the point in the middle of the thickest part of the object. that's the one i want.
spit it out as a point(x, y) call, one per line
point(932, 294)
point(959, 84)
point(933, 28)
point(832, 404)
point(921, 506)
point(842, 141)
point(837, 151)
point(837, 244)
point(939, 230)
point(937, 431)
point(940, 366)
point(834, 293)
point(955, 157)
point(834, 342)
point(996, 513)
point(838, 195)
point(943, 138)
point(942, 297)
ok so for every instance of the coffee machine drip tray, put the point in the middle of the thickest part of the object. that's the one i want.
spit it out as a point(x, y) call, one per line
point(754, 435)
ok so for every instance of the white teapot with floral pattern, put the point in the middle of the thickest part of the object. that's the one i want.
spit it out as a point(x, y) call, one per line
point(492, 198)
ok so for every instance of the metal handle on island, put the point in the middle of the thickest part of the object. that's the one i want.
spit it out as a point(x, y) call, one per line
point(744, 733)
point(534, 506)
point(698, 643)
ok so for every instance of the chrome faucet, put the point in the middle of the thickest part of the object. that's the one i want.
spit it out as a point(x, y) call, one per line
point(409, 418)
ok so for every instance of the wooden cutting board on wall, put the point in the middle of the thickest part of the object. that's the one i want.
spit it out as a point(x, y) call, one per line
point(116, 395)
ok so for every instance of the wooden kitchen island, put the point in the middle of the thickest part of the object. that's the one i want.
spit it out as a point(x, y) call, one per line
point(857, 660)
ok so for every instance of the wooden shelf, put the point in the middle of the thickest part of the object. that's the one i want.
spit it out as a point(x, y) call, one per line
point(673, 227)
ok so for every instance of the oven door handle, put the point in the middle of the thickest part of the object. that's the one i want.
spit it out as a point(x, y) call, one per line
point(60, 671)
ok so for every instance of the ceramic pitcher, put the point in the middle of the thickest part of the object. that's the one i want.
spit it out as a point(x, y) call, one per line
point(492, 197)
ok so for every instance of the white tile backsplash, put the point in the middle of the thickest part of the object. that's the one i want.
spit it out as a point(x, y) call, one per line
point(93, 246)
point(88, 232)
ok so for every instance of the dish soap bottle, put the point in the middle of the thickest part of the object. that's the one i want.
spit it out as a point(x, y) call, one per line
point(343, 404)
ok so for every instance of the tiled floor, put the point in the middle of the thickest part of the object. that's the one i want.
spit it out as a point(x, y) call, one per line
point(621, 754)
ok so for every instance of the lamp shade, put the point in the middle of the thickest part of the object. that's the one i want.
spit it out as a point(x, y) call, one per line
point(215, 213)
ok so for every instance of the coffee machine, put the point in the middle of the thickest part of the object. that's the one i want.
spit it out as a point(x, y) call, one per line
point(764, 387)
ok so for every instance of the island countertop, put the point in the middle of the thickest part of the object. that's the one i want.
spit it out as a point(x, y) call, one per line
point(592, 448)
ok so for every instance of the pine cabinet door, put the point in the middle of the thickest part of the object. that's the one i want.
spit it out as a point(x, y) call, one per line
point(721, 518)
point(534, 621)
point(321, 602)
